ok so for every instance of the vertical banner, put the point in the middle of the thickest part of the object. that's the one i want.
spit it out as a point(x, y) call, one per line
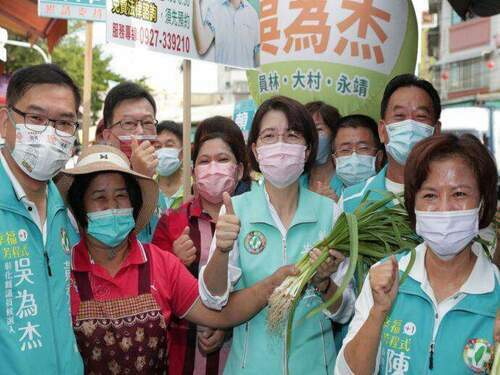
point(221, 31)
point(88, 10)
point(244, 112)
point(340, 51)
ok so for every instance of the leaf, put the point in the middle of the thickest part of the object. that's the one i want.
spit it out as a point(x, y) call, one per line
point(479, 354)
point(405, 274)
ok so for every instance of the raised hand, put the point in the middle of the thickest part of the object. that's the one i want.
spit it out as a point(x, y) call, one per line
point(228, 226)
point(384, 281)
point(143, 158)
point(184, 248)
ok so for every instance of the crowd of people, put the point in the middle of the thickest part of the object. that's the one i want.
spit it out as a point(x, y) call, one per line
point(107, 269)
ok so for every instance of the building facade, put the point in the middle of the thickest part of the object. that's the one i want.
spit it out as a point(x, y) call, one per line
point(462, 56)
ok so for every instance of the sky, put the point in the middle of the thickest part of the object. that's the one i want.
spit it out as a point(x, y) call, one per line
point(163, 70)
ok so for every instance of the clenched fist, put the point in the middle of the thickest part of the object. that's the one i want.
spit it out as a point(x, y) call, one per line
point(384, 281)
point(143, 158)
point(227, 228)
point(184, 248)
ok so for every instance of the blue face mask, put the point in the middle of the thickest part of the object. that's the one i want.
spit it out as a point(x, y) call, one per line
point(403, 136)
point(324, 150)
point(355, 168)
point(111, 227)
point(168, 161)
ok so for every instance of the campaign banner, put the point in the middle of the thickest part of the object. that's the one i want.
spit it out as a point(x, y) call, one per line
point(244, 112)
point(221, 31)
point(88, 10)
point(342, 52)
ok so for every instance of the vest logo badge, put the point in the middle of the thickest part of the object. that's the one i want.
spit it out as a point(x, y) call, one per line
point(255, 242)
point(65, 241)
point(478, 355)
point(409, 329)
point(22, 235)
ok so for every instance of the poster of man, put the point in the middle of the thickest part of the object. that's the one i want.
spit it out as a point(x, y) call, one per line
point(231, 27)
point(221, 31)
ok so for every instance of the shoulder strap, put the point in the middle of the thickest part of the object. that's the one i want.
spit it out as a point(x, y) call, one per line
point(83, 286)
point(145, 271)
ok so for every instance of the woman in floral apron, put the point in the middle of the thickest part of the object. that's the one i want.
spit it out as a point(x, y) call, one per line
point(124, 293)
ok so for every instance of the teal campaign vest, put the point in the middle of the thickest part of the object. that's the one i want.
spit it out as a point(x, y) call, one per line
point(353, 195)
point(407, 332)
point(262, 250)
point(36, 334)
point(335, 183)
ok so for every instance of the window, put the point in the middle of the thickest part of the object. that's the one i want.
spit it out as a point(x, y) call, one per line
point(466, 75)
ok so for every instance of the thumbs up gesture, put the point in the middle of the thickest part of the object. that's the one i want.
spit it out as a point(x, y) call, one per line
point(228, 226)
point(184, 248)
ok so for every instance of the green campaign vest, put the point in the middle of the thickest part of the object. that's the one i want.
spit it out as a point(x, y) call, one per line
point(36, 334)
point(262, 250)
point(407, 332)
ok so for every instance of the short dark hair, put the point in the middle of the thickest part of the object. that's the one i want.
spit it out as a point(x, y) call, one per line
point(409, 80)
point(298, 119)
point(119, 93)
point(219, 127)
point(328, 113)
point(82, 182)
point(358, 121)
point(170, 126)
point(25, 78)
point(466, 147)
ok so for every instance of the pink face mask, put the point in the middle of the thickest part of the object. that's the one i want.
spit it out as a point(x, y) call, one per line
point(215, 178)
point(281, 163)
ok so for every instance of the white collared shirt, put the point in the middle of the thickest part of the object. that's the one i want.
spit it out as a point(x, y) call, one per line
point(482, 280)
point(342, 315)
point(21, 195)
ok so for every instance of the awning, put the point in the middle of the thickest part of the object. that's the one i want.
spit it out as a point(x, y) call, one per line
point(21, 17)
point(483, 8)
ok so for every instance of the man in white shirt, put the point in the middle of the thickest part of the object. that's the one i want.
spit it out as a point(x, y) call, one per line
point(233, 26)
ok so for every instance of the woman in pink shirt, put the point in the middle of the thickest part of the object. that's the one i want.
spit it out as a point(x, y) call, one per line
point(124, 293)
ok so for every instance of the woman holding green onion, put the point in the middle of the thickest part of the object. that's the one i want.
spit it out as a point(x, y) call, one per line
point(272, 225)
point(441, 318)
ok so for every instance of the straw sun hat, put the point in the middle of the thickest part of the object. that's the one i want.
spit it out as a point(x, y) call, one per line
point(100, 158)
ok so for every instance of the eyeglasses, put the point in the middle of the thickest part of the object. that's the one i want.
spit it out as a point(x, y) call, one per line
point(290, 136)
point(359, 149)
point(32, 121)
point(129, 124)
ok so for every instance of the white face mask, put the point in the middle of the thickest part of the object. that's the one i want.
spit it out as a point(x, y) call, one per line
point(41, 154)
point(447, 233)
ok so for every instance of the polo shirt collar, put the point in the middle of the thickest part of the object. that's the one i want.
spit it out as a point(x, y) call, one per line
point(195, 209)
point(81, 261)
point(227, 2)
point(480, 281)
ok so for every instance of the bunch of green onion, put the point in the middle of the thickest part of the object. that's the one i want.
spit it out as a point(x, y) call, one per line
point(373, 232)
point(495, 369)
